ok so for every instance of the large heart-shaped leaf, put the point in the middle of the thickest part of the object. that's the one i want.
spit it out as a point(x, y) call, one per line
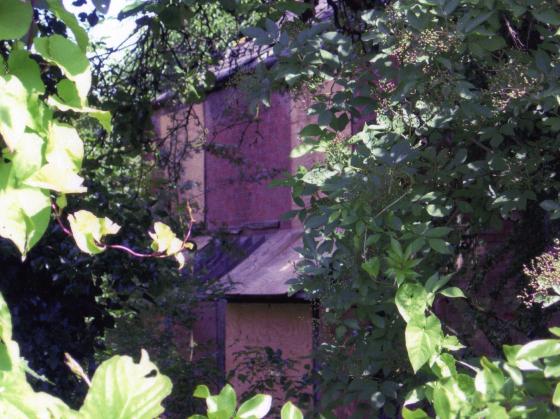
point(121, 388)
point(422, 336)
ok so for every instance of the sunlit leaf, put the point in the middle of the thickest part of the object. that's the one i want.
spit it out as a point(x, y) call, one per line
point(422, 336)
point(290, 411)
point(71, 60)
point(25, 216)
point(21, 65)
point(14, 112)
point(256, 407)
point(121, 388)
point(71, 22)
point(88, 230)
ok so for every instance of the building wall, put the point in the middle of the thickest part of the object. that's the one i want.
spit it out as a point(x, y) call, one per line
point(284, 326)
point(181, 135)
point(243, 155)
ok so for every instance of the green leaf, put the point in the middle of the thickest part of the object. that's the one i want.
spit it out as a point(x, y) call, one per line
point(318, 176)
point(438, 232)
point(26, 70)
point(256, 407)
point(65, 89)
point(411, 299)
point(415, 246)
point(164, 240)
point(222, 405)
point(548, 16)
point(71, 22)
point(435, 282)
point(14, 112)
point(444, 365)
point(556, 396)
point(311, 130)
point(71, 60)
point(372, 266)
point(64, 154)
point(25, 216)
point(59, 179)
point(290, 411)
point(490, 380)
point(27, 158)
point(440, 246)
point(88, 231)
point(296, 7)
point(437, 211)
point(549, 205)
point(452, 343)
point(453, 292)
point(414, 414)
point(515, 374)
point(201, 392)
point(537, 349)
point(64, 146)
point(15, 18)
point(555, 331)
point(422, 337)
point(122, 388)
point(302, 149)
point(495, 411)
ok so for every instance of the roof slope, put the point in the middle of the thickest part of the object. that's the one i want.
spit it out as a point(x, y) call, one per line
point(269, 269)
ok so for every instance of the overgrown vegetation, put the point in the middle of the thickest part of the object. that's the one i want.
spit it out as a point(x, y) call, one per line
point(462, 96)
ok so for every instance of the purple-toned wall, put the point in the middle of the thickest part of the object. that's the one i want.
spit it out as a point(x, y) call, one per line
point(234, 194)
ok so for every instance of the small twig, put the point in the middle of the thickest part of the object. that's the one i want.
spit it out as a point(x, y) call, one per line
point(76, 368)
point(464, 364)
point(396, 201)
point(478, 143)
point(513, 34)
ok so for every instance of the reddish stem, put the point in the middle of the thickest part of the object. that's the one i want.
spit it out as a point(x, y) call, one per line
point(128, 250)
point(132, 252)
point(59, 220)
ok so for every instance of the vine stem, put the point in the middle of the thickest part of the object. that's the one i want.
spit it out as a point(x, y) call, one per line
point(56, 211)
point(157, 255)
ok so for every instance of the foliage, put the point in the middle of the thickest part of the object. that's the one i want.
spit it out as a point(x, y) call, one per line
point(525, 384)
point(61, 300)
point(39, 167)
point(464, 95)
point(224, 405)
point(265, 370)
point(544, 275)
point(164, 327)
point(119, 387)
point(465, 98)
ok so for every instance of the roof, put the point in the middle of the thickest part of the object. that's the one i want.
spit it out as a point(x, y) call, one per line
point(248, 54)
point(219, 255)
point(269, 269)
